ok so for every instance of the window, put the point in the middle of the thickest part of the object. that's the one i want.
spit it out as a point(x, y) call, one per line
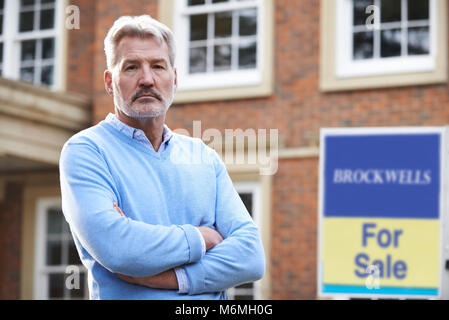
point(55, 251)
point(222, 38)
point(382, 43)
point(221, 43)
point(404, 43)
point(32, 40)
point(386, 36)
point(404, 29)
point(249, 192)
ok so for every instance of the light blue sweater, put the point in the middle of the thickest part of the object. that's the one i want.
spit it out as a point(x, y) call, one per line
point(164, 195)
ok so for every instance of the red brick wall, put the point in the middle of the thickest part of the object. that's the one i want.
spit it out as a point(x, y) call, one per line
point(294, 230)
point(81, 49)
point(11, 241)
point(298, 108)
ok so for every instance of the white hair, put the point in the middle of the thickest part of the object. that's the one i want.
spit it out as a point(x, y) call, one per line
point(143, 26)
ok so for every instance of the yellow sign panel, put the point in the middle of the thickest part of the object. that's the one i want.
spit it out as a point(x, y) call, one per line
point(398, 253)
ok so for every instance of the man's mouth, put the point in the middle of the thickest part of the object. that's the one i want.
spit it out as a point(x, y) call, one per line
point(146, 96)
point(153, 95)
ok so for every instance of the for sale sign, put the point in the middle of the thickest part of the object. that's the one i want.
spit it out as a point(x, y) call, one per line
point(380, 212)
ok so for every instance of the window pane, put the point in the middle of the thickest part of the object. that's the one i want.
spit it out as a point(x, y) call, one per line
point(1, 52)
point(418, 41)
point(360, 15)
point(73, 254)
point(27, 74)
point(47, 75)
point(223, 24)
point(54, 221)
point(27, 2)
point(47, 1)
point(48, 48)
point(54, 252)
point(390, 10)
point(247, 56)
point(26, 21)
point(56, 285)
point(363, 45)
point(28, 50)
point(248, 22)
point(390, 43)
point(418, 10)
point(47, 19)
point(1, 23)
point(217, 1)
point(222, 57)
point(2, 4)
point(247, 199)
point(198, 27)
point(195, 2)
point(198, 60)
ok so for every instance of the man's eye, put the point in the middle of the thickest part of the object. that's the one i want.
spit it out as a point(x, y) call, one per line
point(157, 66)
point(132, 67)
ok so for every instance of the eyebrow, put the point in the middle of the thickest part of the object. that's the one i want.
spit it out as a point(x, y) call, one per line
point(137, 61)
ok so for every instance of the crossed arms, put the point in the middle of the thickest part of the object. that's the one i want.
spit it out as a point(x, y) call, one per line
point(168, 279)
point(148, 253)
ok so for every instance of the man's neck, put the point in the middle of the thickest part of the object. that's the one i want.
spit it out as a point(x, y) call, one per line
point(152, 127)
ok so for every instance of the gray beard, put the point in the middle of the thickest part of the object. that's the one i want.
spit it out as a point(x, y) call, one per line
point(126, 108)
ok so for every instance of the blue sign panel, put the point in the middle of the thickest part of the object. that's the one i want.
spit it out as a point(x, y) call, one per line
point(392, 176)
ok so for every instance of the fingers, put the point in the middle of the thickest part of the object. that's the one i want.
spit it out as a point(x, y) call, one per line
point(117, 208)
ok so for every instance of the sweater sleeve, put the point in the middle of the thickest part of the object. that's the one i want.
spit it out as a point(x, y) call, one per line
point(119, 244)
point(240, 257)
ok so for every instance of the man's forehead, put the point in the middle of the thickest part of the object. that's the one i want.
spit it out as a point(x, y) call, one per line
point(135, 48)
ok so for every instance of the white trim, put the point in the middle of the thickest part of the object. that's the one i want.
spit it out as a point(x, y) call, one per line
point(346, 67)
point(41, 279)
point(41, 270)
point(254, 188)
point(217, 79)
point(12, 37)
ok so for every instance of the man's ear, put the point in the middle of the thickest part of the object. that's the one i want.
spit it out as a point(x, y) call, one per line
point(176, 78)
point(108, 82)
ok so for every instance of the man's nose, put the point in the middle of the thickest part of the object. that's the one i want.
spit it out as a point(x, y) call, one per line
point(146, 77)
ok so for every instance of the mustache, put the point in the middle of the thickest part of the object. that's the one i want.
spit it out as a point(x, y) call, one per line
point(146, 91)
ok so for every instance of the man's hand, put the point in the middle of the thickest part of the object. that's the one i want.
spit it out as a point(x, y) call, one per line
point(211, 237)
point(164, 280)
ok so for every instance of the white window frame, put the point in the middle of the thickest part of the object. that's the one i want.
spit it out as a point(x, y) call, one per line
point(218, 79)
point(41, 270)
point(346, 67)
point(254, 188)
point(11, 39)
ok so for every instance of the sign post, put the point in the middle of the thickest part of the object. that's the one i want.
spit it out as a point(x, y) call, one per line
point(382, 200)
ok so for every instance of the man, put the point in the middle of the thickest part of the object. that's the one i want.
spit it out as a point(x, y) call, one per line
point(148, 223)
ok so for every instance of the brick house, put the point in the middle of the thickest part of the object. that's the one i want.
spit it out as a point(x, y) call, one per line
point(294, 66)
